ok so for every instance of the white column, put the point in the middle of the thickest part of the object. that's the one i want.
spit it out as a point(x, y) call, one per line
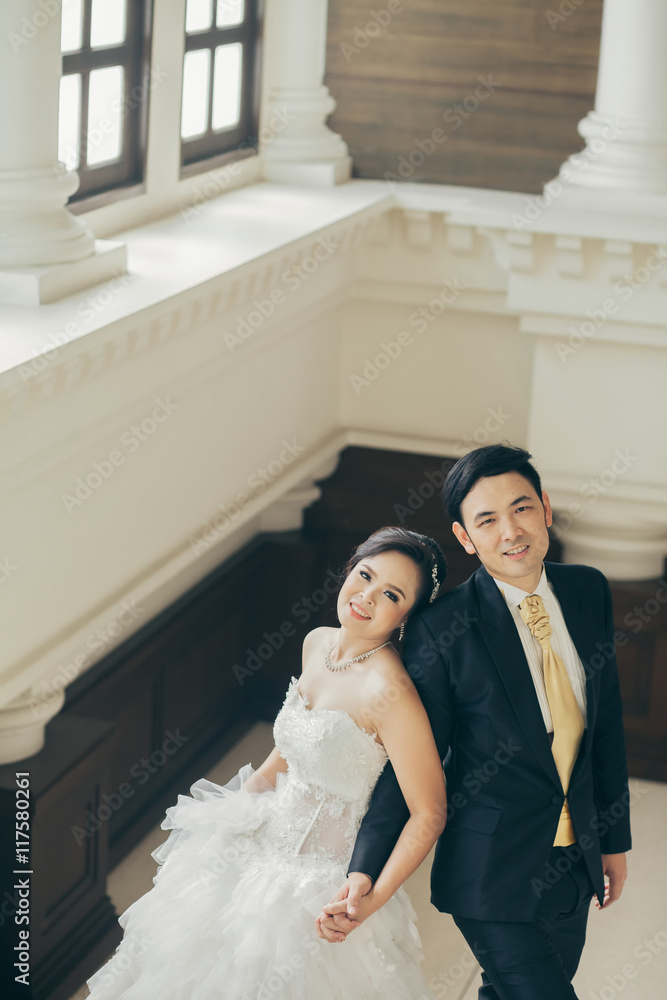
point(37, 232)
point(598, 410)
point(297, 145)
point(626, 134)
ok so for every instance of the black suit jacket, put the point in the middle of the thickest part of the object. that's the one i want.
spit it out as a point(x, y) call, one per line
point(504, 795)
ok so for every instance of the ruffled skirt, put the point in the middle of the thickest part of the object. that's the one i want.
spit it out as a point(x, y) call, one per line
point(230, 919)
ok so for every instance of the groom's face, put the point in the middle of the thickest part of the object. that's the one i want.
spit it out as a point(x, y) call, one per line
point(505, 522)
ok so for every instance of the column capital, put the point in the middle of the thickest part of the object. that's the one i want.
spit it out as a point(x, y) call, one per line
point(619, 528)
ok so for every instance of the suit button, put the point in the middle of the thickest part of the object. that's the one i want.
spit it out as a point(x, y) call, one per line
point(558, 800)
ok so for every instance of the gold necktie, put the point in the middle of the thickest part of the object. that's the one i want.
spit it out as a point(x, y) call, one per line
point(565, 712)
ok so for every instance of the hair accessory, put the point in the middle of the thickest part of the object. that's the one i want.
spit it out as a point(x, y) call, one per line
point(436, 585)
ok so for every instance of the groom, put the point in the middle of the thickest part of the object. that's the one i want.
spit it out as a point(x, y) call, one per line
point(531, 734)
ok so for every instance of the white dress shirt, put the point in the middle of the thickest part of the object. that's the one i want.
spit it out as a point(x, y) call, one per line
point(561, 643)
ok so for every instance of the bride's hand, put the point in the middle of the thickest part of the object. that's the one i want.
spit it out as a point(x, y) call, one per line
point(349, 907)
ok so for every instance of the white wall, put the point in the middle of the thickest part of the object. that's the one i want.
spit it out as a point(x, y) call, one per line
point(450, 373)
point(353, 270)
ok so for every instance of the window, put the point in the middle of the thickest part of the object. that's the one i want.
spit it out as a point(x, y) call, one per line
point(104, 92)
point(220, 87)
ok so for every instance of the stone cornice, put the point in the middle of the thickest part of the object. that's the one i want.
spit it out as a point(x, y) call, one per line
point(88, 355)
point(544, 274)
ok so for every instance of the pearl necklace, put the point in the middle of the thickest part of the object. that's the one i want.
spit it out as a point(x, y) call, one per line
point(348, 663)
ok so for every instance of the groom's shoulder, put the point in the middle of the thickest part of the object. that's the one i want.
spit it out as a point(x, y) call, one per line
point(576, 575)
point(451, 601)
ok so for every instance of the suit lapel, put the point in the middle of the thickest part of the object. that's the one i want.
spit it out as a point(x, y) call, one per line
point(503, 642)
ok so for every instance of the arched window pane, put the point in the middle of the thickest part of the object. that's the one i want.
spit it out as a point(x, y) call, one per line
point(71, 27)
point(194, 113)
point(69, 120)
point(229, 12)
point(105, 98)
point(107, 24)
point(198, 15)
point(227, 86)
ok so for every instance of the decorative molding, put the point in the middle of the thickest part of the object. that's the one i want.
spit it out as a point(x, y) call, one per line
point(22, 723)
point(520, 252)
point(651, 498)
point(81, 361)
point(184, 383)
point(618, 258)
point(562, 327)
point(412, 444)
point(286, 513)
point(460, 239)
point(419, 232)
point(570, 260)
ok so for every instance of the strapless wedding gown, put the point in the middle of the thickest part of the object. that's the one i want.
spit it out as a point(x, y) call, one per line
point(244, 873)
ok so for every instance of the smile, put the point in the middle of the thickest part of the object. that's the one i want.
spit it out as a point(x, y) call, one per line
point(518, 551)
point(359, 611)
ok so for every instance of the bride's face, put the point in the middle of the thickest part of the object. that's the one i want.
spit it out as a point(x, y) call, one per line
point(378, 594)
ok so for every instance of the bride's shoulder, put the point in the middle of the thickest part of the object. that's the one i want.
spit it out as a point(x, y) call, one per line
point(316, 640)
point(388, 673)
point(319, 635)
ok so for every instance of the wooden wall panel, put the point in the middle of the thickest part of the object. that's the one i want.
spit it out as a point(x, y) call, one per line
point(394, 88)
point(73, 926)
point(281, 621)
point(640, 615)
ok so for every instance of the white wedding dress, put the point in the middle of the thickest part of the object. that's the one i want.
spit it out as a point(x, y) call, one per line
point(244, 873)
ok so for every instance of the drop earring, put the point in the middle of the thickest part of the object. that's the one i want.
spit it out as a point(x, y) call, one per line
point(401, 631)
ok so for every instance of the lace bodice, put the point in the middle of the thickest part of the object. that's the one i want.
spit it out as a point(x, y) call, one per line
point(327, 750)
point(332, 768)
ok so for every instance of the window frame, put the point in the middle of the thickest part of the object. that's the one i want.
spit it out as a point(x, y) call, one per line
point(125, 176)
point(215, 149)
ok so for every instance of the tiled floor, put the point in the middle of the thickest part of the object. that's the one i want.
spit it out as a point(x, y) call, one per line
point(626, 950)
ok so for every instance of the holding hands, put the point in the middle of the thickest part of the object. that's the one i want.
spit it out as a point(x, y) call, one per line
point(351, 905)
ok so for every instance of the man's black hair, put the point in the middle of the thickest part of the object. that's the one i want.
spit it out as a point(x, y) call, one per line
point(492, 460)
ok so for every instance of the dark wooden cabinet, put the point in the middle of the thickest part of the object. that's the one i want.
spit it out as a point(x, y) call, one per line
point(640, 616)
point(72, 924)
point(172, 694)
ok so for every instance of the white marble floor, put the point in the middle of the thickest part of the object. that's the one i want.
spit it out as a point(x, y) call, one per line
point(626, 950)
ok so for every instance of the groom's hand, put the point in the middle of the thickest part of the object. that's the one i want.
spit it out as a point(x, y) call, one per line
point(335, 926)
point(615, 868)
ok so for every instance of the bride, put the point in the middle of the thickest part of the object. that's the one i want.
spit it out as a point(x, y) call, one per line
point(248, 866)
